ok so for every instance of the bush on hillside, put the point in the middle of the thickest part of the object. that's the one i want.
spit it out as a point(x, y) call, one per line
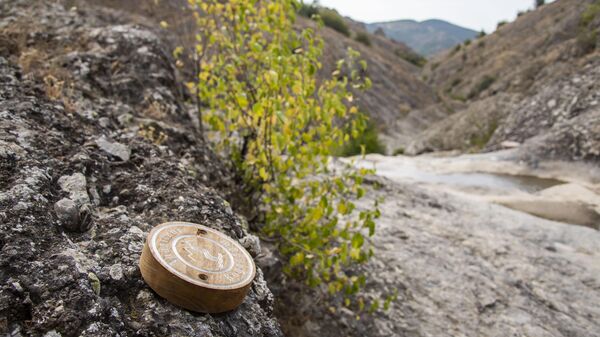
point(413, 58)
point(483, 85)
point(539, 3)
point(363, 38)
point(367, 142)
point(501, 23)
point(399, 151)
point(308, 10)
point(379, 32)
point(333, 20)
point(587, 36)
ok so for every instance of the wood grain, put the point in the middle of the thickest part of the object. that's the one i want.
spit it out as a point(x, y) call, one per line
point(196, 267)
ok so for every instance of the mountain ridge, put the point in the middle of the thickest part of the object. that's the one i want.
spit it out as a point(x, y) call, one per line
point(427, 37)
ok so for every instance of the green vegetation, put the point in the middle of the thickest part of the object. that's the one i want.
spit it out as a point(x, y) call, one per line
point(483, 85)
point(482, 33)
point(333, 20)
point(413, 58)
point(277, 125)
point(479, 141)
point(365, 142)
point(467, 42)
point(590, 14)
point(539, 3)
point(587, 37)
point(458, 97)
point(501, 23)
point(399, 151)
point(455, 82)
point(363, 38)
point(456, 50)
point(330, 18)
point(308, 10)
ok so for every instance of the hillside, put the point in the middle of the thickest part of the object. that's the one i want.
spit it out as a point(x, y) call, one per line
point(397, 85)
point(533, 81)
point(426, 37)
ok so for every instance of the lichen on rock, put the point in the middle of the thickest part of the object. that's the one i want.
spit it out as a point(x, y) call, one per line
point(81, 189)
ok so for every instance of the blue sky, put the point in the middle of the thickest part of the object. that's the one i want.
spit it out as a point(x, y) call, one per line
point(474, 14)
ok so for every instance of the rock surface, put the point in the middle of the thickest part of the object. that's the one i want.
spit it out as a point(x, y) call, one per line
point(75, 210)
point(465, 267)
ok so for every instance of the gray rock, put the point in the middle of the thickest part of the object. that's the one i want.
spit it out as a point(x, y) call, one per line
point(68, 213)
point(76, 186)
point(118, 150)
point(252, 244)
point(116, 271)
point(88, 284)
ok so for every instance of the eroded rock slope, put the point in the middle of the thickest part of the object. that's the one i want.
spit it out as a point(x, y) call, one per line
point(95, 149)
point(533, 81)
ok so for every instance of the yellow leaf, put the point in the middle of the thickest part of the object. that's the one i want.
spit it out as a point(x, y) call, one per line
point(263, 174)
point(297, 259)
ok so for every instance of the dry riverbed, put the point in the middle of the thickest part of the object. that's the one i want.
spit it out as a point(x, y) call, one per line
point(464, 265)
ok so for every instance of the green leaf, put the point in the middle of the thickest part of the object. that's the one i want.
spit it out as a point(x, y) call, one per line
point(297, 259)
point(357, 240)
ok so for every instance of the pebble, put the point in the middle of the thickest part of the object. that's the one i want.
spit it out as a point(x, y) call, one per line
point(115, 149)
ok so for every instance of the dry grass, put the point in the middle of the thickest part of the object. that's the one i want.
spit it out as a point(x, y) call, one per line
point(155, 110)
point(58, 90)
point(149, 133)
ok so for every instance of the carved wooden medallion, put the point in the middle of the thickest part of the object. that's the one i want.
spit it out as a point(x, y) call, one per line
point(196, 267)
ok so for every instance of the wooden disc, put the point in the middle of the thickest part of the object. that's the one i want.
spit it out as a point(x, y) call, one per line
point(196, 267)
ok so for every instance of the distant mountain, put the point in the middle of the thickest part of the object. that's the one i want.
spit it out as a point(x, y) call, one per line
point(427, 37)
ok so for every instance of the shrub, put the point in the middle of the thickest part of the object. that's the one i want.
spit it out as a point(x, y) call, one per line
point(501, 23)
point(379, 32)
point(458, 97)
point(483, 85)
point(455, 50)
point(333, 20)
point(410, 57)
point(539, 3)
point(587, 41)
point(587, 36)
point(399, 151)
point(481, 34)
point(366, 142)
point(589, 14)
point(308, 10)
point(480, 139)
point(363, 38)
point(277, 125)
point(455, 82)
point(467, 42)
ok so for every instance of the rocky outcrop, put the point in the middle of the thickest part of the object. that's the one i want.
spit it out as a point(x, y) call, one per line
point(95, 149)
point(532, 80)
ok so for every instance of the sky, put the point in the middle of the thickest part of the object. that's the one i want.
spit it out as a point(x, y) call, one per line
point(474, 14)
